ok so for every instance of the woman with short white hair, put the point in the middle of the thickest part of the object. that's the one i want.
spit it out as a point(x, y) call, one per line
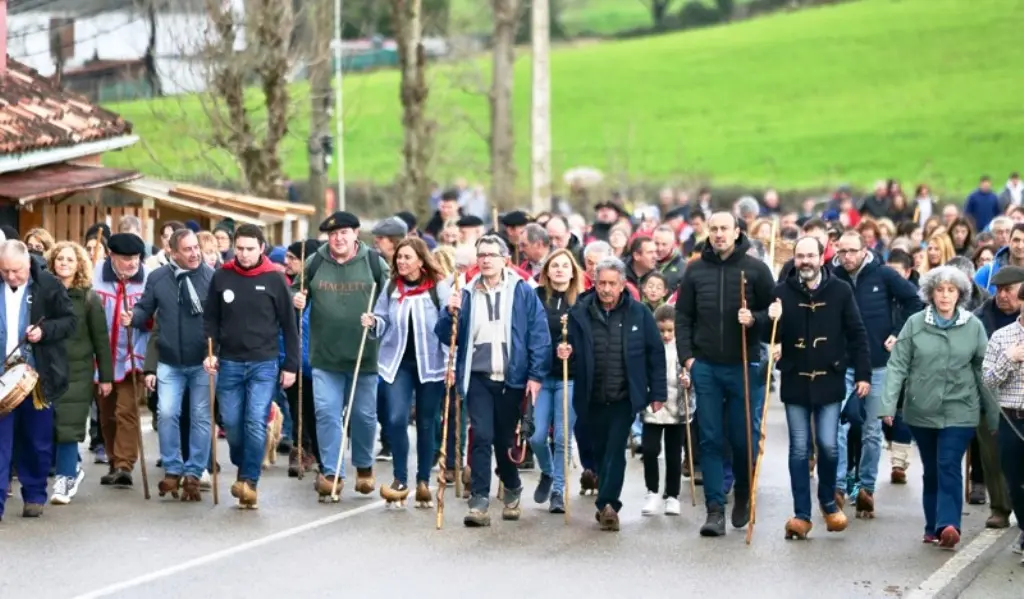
point(938, 356)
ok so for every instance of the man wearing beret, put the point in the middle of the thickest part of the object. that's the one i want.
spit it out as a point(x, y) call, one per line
point(515, 223)
point(999, 311)
point(119, 281)
point(339, 279)
point(471, 228)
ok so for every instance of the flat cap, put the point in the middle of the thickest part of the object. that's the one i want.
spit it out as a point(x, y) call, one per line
point(1008, 275)
point(126, 244)
point(516, 218)
point(677, 212)
point(470, 221)
point(339, 220)
point(390, 227)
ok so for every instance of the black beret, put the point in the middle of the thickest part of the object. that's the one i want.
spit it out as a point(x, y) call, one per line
point(312, 245)
point(97, 230)
point(409, 218)
point(612, 205)
point(126, 244)
point(1008, 275)
point(340, 220)
point(677, 212)
point(470, 221)
point(516, 218)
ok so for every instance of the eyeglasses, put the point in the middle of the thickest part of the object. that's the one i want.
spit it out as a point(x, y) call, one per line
point(844, 252)
point(482, 255)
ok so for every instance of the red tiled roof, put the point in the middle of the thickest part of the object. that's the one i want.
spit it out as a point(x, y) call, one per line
point(37, 115)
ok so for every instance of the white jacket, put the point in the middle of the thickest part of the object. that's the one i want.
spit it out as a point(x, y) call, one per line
point(673, 412)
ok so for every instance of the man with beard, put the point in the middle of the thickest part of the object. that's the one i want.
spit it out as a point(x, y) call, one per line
point(709, 315)
point(821, 332)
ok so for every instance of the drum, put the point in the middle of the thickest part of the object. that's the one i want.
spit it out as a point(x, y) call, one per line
point(15, 385)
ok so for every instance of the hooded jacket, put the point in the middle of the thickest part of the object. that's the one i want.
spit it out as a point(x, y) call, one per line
point(245, 312)
point(707, 327)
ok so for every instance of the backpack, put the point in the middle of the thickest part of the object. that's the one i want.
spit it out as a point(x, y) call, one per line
point(432, 291)
point(372, 256)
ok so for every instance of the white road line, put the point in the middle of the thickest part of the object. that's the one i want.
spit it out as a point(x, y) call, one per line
point(955, 566)
point(230, 551)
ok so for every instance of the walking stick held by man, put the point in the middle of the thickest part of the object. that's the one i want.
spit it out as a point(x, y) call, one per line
point(746, 386)
point(449, 379)
point(213, 422)
point(565, 413)
point(135, 397)
point(302, 289)
point(774, 312)
point(351, 397)
point(685, 381)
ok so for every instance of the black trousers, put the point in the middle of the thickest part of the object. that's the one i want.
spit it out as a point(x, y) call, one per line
point(609, 426)
point(309, 442)
point(651, 438)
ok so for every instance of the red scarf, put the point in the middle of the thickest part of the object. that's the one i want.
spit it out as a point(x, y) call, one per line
point(426, 284)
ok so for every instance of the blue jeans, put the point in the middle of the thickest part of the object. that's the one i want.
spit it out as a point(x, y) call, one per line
point(720, 403)
point(399, 404)
point(548, 413)
point(942, 451)
point(330, 393)
point(1011, 448)
point(66, 459)
point(826, 428)
point(171, 384)
point(245, 391)
point(871, 434)
point(383, 416)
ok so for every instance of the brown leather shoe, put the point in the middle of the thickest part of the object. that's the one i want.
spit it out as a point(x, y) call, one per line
point(998, 519)
point(840, 499)
point(865, 504)
point(797, 529)
point(609, 519)
point(898, 476)
point(835, 522)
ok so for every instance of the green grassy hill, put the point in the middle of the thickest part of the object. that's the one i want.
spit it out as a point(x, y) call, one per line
point(916, 89)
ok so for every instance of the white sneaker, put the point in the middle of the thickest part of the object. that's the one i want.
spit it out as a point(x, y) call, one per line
point(74, 483)
point(652, 504)
point(60, 491)
point(671, 506)
point(205, 482)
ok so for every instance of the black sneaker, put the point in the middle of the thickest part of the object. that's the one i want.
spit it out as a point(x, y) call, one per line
point(284, 446)
point(557, 504)
point(108, 478)
point(543, 491)
point(122, 478)
point(740, 510)
point(384, 455)
point(714, 526)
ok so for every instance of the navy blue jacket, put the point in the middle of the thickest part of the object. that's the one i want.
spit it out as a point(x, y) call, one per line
point(982, 207)
point(526, 322)
point(876, 288)
point(645, 353)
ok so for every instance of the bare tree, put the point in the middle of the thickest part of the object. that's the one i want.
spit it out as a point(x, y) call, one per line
point(149, 58)
point(417, 148)
point(502, 139)
point(250, 136)
point(659, 10)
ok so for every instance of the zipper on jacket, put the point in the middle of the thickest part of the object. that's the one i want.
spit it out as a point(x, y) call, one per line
point(721, 311)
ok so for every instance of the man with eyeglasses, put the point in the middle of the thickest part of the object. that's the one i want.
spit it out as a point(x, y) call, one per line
point(880, 293)
point(504, 350)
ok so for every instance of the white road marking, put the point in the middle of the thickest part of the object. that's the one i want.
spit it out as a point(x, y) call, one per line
point(230, 551)
point(964, 557)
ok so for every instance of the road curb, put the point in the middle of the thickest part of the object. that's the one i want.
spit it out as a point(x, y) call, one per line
point(949, 581)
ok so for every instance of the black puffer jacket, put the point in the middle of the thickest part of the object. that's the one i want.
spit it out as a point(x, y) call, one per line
point(707, 326)
point(555, 308)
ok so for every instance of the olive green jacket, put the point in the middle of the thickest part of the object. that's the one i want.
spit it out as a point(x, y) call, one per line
point(942, 372)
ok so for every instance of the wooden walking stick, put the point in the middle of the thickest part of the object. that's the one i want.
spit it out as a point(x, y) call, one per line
point(760, 433)
point(302, 289)
point(458, 446)
point(746, 389)
point(967, 475)
point(565, 414)
point(213, 423)
point(442, 462)
point(347, 417)
point(135, 396)
point(689, 446)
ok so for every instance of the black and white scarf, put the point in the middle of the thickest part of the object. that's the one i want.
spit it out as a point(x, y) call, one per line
point(187, 295)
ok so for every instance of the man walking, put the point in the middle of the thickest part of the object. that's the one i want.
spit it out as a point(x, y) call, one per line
point(504, 350)
point(174, 295)
point(248, 307)
point(621, 374)
point(709, 315)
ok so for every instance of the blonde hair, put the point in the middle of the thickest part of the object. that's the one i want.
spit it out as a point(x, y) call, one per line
point(82, 278)
point(575, 283)
point(44, 237)
point(946, 251)
point(444, 255)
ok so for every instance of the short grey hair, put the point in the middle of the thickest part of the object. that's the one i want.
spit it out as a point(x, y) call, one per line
point(493, 239)
point(536, 233)
point(597, 247)
point(1001, 221)
point(945, 274)
point(611, 263)
point(964, 264)
point(748, 205)
point(129, 224)
point(12, 248)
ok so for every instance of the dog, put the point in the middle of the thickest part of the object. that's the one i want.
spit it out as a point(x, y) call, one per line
point(275, 423)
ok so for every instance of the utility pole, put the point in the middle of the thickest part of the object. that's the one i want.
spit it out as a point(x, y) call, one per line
point(318, 19)
point(339, 139)
point(540, 121)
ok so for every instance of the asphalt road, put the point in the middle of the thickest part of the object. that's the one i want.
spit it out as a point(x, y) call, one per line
point(111, 542)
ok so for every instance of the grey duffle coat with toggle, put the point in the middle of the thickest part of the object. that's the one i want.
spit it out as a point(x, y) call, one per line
point(822, 335)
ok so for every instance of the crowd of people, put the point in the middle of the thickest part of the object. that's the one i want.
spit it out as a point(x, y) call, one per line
point(882, 322)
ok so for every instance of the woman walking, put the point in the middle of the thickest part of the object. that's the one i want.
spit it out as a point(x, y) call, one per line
point(561, 283)
point(411, 361)
point(938, 356)
point(87, 346)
